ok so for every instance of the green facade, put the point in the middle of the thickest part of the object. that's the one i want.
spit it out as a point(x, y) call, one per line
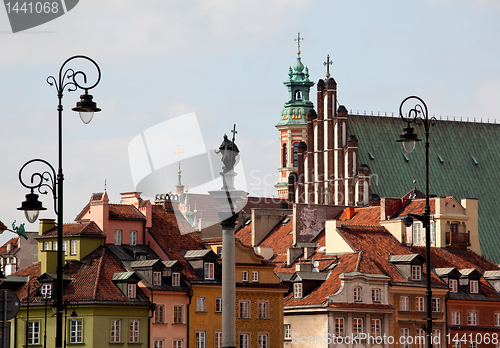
point(464, 161)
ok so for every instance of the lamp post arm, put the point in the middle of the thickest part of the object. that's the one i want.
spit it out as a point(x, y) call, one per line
point(43, 182)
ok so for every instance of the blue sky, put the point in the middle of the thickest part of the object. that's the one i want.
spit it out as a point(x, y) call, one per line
point(225, 60)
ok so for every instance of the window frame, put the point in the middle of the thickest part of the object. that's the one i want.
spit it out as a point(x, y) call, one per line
point(357, 328)
point(416, 272)
point(208, 270)
point(200, 339)
point(135, 331)
point(474, 289)
point(263, 341)
point(116, 330)
point(131, 290)
point(297, 291)
point(419, 304)
point(244, 276)
point(133, 237)
point(357, 294)
point(376, 295)
point(201, 304)
point(157, 278)
point(376, 326)
point(436, 305)
point(73, 247)
point(456, 318)
point(75, 332)
point(160, 314)
point(218, 339)
point(263, 310)
point(406, 303)
point(34, 332)
point(287, 331)
point(244, 309)
point(218, 305)
point(178, 314)
point(340, 327)
point(244, 340)
point(117, 237)
point(472, 318)
point(453, 285)
point(255, 276)
point(176, 279)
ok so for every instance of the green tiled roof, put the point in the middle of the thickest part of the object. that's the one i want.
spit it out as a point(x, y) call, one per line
point(464, 161)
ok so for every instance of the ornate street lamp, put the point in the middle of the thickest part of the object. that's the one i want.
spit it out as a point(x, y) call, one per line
point(419, 115)
point(48, 180)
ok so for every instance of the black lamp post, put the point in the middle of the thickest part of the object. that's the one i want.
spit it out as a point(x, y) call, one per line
point(419, 114)
point(74, 306)
point(47, 180)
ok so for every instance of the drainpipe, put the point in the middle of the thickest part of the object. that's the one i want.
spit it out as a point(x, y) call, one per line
point(190, 295)
point(152, 307)
point(446, 316)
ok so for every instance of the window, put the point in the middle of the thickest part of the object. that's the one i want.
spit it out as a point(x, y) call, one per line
point(46, 290)
point(160, 344)
point(244, 276)
point(339, 327)
point(73, 247)
point(218, 305)
point(178, 311)
point(419, 304)
point(433, 232)
point(244, 341)
point(295, 154)
point(176, 279)
point(200, 339)
point(255, 276)
point(209, 270)
point(497, 319)
point(178, 344)
point(131, 290)
point(46, 245)
point(219, 252)
point(456, 344)
point(65, 247)
point(358, 293)
point(376, 295)
point(134, 331)
point(472, 318)
point(416, 272)
point(454, 228)
point(244, 309)
point(453, 283)
point(116, 328)
point(416, 234)
point(156, 278)
point(455, 318)
point(376, 325)
point(436, 304)
point(218, 339)
point(76, 331)
point(263, 310)
point(54, 245)
point(160, 313)
point(474, 286)
point(404, 332)
point(284, 155)
point(404, 303)
point(133, 237)
point(34, 332)
point(297, 290)
point(200, 304)
point(358, 326)
point(288, 331)
point(473, 345)
point(436, 341)
point(420, 339)
point(118, 237)
point(263, 341)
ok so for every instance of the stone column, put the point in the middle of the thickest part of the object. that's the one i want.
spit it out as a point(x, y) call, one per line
point(228, 197)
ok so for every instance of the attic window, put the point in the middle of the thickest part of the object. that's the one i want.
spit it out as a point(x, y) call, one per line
point(474, 287)
point(453, 284)
point(131, 290)
point(416, 272)
point(297, 290)
point(440, 159)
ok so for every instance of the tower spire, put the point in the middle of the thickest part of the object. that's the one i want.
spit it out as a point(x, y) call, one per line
point(298, 39)
point(179, 187)
point(327, 63)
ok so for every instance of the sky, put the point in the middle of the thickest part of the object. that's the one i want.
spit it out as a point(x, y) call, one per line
point(225, 61)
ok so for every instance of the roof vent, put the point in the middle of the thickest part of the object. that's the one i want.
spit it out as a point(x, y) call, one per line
point(440, 159)
point(371, 156)
point(474, 160)
point(406, 157)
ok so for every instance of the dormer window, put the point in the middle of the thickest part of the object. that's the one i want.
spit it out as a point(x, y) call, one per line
point(209, 271)
point(131, 290)
point(244, 276)
point(474, 286)
point(453, 284)
point(297, 290)
point(156, 278)
point(358, 294)
point(176, 279)
point(46, 290)
point(416, 272)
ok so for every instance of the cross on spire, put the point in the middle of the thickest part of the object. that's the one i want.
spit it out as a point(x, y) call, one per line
point(234, 131)
point(298, 39)
point(327, 63)
point(179, 153)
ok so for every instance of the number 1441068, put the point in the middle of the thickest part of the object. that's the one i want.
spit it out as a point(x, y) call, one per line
point(32, 7)
point(477, 338)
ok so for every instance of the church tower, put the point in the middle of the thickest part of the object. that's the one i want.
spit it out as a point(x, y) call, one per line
point(293, 124)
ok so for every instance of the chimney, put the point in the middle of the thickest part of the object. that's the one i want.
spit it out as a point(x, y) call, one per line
point(46, 225)
point(349, 212)
point(292, 181)
point(303, 267)
point(292, 254)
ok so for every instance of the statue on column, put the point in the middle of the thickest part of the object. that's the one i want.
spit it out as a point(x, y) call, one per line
point(229, 152)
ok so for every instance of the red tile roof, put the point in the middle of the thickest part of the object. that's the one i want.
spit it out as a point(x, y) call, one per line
point(15, 245)
point(124, 212)
point(82, 229)
point(172, 233)
point(2, 226)
point(368, 216)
